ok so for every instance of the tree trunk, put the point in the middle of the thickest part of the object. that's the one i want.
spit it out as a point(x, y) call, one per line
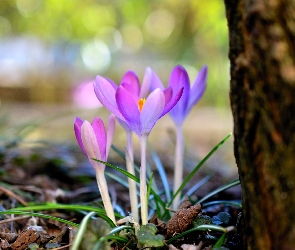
point(262, 57)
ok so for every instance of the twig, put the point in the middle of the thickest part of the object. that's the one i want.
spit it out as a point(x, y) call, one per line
point(13, 195)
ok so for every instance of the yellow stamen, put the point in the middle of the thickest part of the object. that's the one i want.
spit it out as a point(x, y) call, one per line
point(140, 103)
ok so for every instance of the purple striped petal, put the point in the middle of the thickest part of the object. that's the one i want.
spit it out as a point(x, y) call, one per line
point(90, 144)
point(152, 110)
point(100, 135)
point(77, 128)
point(173, 102)
point(129, 109)
point(198, 88)
point(179, 78)
point(105, 93)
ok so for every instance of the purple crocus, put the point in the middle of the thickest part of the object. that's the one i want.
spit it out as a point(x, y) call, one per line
point(95, 142)
point(131, 103)
point(190, 96)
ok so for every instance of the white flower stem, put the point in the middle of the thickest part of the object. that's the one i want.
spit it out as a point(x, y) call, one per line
point(132, 183)
point(143, 187)
point(104, 192)
point(178, 168)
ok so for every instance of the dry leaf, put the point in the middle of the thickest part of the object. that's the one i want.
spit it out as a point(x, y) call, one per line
point(182, 219)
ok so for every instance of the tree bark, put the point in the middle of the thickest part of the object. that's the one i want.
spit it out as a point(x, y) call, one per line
point(262, 57)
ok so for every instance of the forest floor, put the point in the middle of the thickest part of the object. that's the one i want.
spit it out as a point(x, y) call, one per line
point(48, 169)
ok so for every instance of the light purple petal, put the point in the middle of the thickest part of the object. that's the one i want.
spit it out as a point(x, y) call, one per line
point(90, 144)
point(178, 79)
point(110, 133)
point(101, 137)
point(77, 128)
point(129, 109)
point(105, 93)
point(133, 83)
point(198, 88)
point(171, 105)
point(152, 110)
point(156, 82)
point(115, 86)
point(146, 83)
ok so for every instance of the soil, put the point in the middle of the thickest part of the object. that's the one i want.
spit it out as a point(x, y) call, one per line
point(51, 172)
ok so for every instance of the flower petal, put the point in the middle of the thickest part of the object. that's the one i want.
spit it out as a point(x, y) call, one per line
point(129, 109)
point(110, 133)
point(152, 110)
point(198, 88)
point(105, 93)
point(146, 83)
point(179, 78)
point(77, 128)
point(100, 135)
point(133, 83)
point(128, 86)
point(168, 95)
point(90, 144)
point(156, 82)
point(171, 105)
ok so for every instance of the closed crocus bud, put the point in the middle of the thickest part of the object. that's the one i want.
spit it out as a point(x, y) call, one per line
point(95, 142)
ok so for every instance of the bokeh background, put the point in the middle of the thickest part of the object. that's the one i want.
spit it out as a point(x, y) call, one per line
point(51, 50)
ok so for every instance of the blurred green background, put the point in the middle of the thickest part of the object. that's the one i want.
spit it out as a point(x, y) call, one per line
point(48, 47)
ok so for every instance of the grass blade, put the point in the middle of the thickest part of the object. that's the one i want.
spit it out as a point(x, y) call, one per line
point(118, 151)
point(119, 229)
point(131, 176)
point(159, 200)
point(116, 238)
point(122, 155)
point(149, 188)
point(46, 216)
point(224, 202)
point(221, 241)
point(221, 188)
point(80, 234)
point(50, 206)
point(187, 179)
point(198, 228)
point(198, 185)
point(161, 171)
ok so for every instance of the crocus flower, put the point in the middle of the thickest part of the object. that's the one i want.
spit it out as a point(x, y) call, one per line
point(95, 142)
point(191, 95)
point(132, 104)
point(140, 111)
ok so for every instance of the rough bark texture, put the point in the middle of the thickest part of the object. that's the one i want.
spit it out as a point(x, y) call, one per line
point(262, 56)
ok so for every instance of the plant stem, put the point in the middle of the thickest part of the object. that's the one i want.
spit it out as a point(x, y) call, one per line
point(178, 168)
point(143, 187)
point(132, 183)
point(104, 192)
